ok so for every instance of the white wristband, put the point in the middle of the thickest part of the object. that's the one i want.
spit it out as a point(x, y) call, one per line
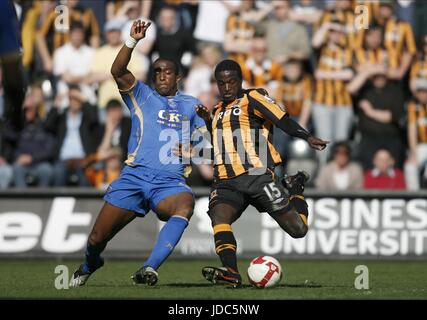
point(131, 43)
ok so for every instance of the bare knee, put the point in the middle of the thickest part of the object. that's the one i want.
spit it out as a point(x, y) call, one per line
point(298, 231)
point(185, 212)
point(291, 223)
point(219, 218)
point(96, 237)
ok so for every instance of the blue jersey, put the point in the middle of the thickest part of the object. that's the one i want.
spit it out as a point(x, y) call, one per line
point(158, 124)
point(9, 30)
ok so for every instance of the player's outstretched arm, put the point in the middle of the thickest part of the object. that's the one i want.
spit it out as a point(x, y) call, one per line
point(123, 77)
point(277, 114)
point(292, 128)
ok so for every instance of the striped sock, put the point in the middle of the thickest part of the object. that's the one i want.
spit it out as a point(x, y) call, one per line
point(225, 245)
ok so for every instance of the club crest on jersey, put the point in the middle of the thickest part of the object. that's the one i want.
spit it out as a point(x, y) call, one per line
point(170, 118)
point(172, 103)
point(269, 99)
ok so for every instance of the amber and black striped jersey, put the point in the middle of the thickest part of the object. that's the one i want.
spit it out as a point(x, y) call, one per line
point(417, 114)
point(242, 134)
point(398, 36)
point(332, 92)
point(58, 38)
point(419, 68)
point(293, 94)
point(267, 74)
point(241, 30)
point(388, 57)
point(346, 18)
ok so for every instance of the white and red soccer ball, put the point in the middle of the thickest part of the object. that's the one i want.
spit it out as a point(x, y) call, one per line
point(264, 272)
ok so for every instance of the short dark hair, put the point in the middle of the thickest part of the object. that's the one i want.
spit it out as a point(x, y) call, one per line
point(176, 66)
point(294, 60)
point(342, 145)
point(113, 104)
point(77, 25)
point(74, 86)
point(228, 65)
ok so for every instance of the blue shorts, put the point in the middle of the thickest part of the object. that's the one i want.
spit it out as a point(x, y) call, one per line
point(140, 189)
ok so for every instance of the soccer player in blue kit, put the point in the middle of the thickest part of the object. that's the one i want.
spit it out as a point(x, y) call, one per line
point(148, 180)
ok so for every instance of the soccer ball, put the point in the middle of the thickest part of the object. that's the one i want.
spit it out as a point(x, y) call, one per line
point(264, 272)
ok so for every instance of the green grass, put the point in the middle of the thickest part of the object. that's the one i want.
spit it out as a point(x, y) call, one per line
point(182, 279)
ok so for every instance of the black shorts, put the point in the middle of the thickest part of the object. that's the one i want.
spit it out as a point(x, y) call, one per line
point(263, 192)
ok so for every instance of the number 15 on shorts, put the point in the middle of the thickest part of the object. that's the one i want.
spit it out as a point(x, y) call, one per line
point(272, 191)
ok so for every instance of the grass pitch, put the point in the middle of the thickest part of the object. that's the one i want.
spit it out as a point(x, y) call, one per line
point(182, 279)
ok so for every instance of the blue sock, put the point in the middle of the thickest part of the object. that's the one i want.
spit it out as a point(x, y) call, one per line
point(166, 242)
point(93, 260)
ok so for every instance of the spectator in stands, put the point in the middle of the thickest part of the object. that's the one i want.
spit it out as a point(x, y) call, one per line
point(373, 51)
point(210, 96)
point(241, 27)
point(384, 174)
point(340, 173)
point(115, 133)
point(417, 137)
point(372, 58)
point(71, 64)
point(419, 66)
point(104, 56)
point(34, 18)
point(172, 39)
point(212, 20)
point(117, 10)
point(380, 115)
point(342, 12)
point(38, 99)
point(134, 12)
point(186, 9)
point(258, 70)
point(332, 106)
point(199, 78)
point(76, 129)
point(307, 12)
point(398, 36)
point(295, 92)
point(6, 171)
point(286, 39)
point(104, 168)
point(35, 149)
point(50, 38)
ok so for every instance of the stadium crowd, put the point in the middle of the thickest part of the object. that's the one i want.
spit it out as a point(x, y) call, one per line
point(362, 89)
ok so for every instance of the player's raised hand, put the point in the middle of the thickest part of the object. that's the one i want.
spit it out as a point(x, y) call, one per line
point(203, 113)
point(317, 143)
point(138, 30)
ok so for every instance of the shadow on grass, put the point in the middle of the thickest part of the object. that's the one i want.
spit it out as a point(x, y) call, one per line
point(244, 286)
point(130, 285)
point(302, 285)
point(188, 285)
